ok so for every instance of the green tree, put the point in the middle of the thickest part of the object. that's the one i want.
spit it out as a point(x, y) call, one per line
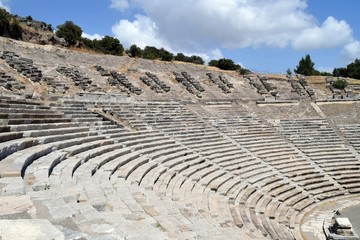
point(340, 72)
point(15, 29)
point(340, 84)
point(70, 32)
point(135, 51)
point(213, 63)
point(227, 64)
point(288, 72)
point(9, 26)
point(244, 71)
point(165, 55)
point(180, 57)
point(306, 66)
point(151, 53)
point(193, 59)
point(197, 60)
point(353, 69)
point(88, 43)
point(5, 19)
point(110, 45)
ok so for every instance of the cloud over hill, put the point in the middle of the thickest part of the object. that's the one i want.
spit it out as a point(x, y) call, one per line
point(205, 25)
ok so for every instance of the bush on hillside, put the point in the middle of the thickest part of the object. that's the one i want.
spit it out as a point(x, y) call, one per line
point(15, 29)
point(352, 70)
point(340, 72)
point(340, 84)
point(151, 53)
point(109, 45)
point(196, 60)
point(134, 51)
point(70, 32)
point(193, 59)
point(9, 26)
point(225, 64)
point(165, 55)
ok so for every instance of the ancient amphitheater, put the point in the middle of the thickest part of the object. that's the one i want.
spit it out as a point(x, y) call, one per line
point(103, 147)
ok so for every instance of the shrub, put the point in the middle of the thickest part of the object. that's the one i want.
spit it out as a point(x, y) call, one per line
point(70, 32)
point(165, 55)
point(15, 30)
point(180, 57)
point(193, 59)
point(213, 63)
point(110, 45)
point(340, 84)
point(196, 60)
point(151, 53)
point(289, 72)
point(5, 18)
point(135, 51)
point(9, 26)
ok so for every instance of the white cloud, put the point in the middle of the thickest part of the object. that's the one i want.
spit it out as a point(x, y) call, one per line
point(332, 33)
point(120, 4)
point(231, 23)
point(92, 36)
point(204, 25)
point(351, 51)
point(4, 4)
point(142, 32)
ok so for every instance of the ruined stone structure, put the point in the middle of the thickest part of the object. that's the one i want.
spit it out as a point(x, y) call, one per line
point(133, 149)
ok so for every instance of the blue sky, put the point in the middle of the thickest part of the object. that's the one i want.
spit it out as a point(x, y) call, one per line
point(267, 36)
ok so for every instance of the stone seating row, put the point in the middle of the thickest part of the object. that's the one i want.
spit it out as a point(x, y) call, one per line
point(102, 71)
point(9, 82)
point(250, 172)
point(324, 148)
point(95, 173)
point(56, 85)
point(304, 83)
point(55, 125)
point(22, 122)
point(154, 83)
point(268, 86)
point(22, 65)
point(202, 170)
point(297, 87)
point(57, 158)
point(120, 79)
point(111, 80)
point(203, 165)
point(85, 83)
point(221, 82)
point(351, 132)
point(288, 165)
point(254, 81)
point(192, 86)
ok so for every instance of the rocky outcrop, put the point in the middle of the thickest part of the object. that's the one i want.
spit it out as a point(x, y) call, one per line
point(39, 32)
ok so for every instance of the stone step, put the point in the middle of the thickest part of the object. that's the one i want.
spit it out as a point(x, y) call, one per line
point(29, 115)
point(8, 136)
point(32, 121)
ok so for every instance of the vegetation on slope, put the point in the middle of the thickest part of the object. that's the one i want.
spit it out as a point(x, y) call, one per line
point(306, 67)
point(9, 26)
point(71, 34)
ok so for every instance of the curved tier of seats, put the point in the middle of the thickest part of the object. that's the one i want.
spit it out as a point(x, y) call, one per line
point(158, 170)
point(316, 139)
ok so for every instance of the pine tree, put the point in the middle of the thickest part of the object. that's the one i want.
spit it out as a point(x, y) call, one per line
point(306, 66)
